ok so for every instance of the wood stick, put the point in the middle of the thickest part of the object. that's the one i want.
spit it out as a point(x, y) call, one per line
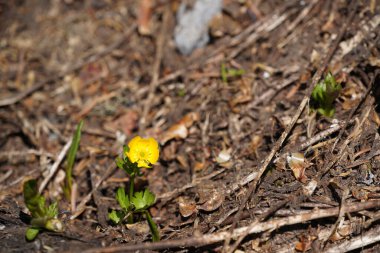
point(207, 239)
point(55, 166)
point(357, 242)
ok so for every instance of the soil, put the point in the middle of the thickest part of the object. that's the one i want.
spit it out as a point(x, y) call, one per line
point(236, 151)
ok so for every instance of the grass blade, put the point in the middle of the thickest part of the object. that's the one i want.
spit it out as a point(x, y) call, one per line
point(71, 159)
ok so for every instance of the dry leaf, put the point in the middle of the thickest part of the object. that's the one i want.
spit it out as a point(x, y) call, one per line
point(309, 189)
point(144, 17)
point(345, 229)
point(198, 166)
point(244, 96)
point(180, 130)
point(359, 194)
point(140, 228)
point(222, 25)
point(351, 95)
point(223, 156)
point(187, 206)
point(376, 118)
point(256, 142)
point(305, 242)
point(211, 196)
point(298, 163)
point(182, 159)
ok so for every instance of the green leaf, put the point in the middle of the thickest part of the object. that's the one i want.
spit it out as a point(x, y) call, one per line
point(116, 216)
point(120, 163)
point(122, 198)
point(71, 159)
point(125, 164)
point(125, 149)
point(52, 210)
point(324, 95)
point(30, 190)
point(225, 72)
point(143, 200)
point(181, 93)
point(235, 72)
point(33, 200)
point(31, 233)
point(153, 227)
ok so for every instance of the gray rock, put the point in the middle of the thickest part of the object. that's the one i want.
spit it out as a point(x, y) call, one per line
point(191, 31)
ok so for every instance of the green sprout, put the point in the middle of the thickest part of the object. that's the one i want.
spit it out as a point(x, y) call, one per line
point(140, 153)
point(227, 73)
point(181, 92)
point(324, 95)
point(71, 159)
point(43, 216)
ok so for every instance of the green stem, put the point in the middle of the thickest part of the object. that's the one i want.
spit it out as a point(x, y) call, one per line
point(132, 186)
point(153, 227)
point(39, 222)
point(51, 224)
point(131, 193)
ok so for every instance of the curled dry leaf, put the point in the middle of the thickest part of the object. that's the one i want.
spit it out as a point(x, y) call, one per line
point(309, 189)
point(183, 161)
point(345, 229)
point(256, 142)
point(223, 156)
point(350, 95)
point(222, 25)
point(187, 206)
point(144, 17)
point(180, 130)
point(298, 163)
point(198, 166)
point(211, 196)
point(304, 243)
point(140, 228)
point(359, 194)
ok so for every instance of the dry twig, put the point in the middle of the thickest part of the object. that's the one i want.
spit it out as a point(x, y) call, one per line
point(156, 67)
point(357, 242)
point(207, 239)
point(55, 166)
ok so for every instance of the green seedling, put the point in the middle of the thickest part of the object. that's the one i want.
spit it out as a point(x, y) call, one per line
point(139, 203)
point(181, 93)
point(227, 73)
point(140, 153)
point(43, 216)
point(70, 161)
point(324, 95)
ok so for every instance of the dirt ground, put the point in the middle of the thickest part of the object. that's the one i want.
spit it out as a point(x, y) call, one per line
point(225, 180)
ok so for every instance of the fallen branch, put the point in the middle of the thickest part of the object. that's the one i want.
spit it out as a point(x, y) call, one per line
point(357, 242)
point(208, 239)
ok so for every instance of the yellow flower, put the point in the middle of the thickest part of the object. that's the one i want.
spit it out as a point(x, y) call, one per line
point(142, 151)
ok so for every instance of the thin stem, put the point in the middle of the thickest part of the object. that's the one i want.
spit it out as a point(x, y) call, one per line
point(132, 186)
point(131, 193)
point(153, 227)
point(39, 222)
